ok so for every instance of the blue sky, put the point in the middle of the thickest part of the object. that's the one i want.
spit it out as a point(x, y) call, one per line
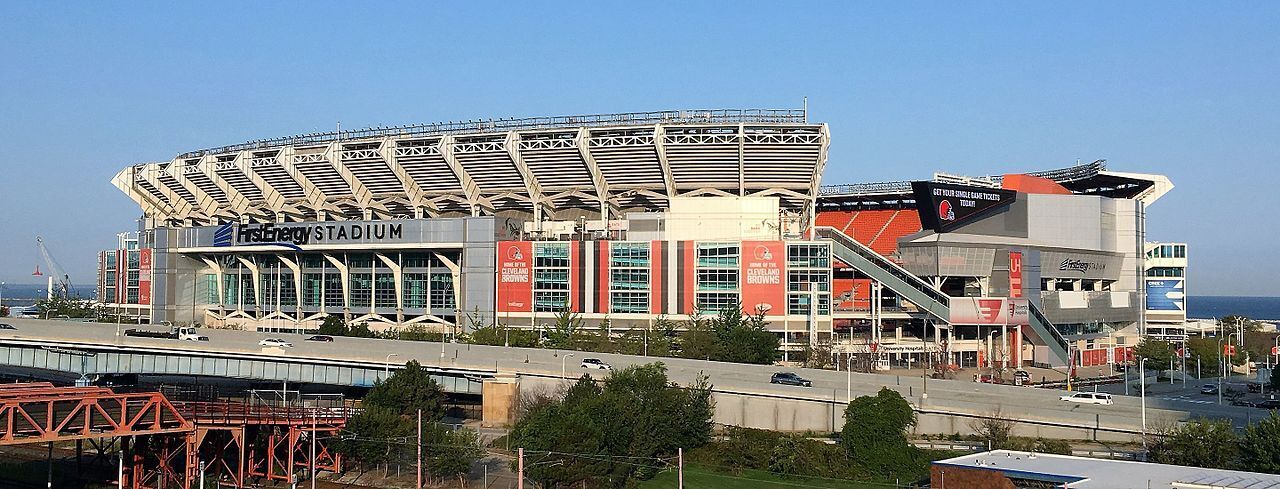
point(1180, 88)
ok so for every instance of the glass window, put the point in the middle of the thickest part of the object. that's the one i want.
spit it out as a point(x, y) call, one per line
point(361, 289)
point(415, 290)
point(333, 296)
point(288, 291)
point(314, 261)
point(718, 279)
point(717, 255)
point(553, 279)
point(629, 278)
point(550, 300)
point(247, 297)
point(808, 256)
point(442, 291)
point(230, 286)
point(1180, 251)
point(384, 290)
point(360, 260)
point(799, 304)
point(634, 255)
point(714, 302)
point(551, 255)
point(799, 280)
point(210, 288)
point(629, 302)
point(132, 260)
point(268, 286)
point(312, 289)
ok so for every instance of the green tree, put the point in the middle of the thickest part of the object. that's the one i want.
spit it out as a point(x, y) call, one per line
point(360, 330)
point(333, 325)
point(1157, 353)
point(635, 414)
point(371, 433)
point(407, 391)
point(742, 338)
point(72, 307)
point(785, 457)
point(502, 335)
point(875, 432)
point(450, 453)
point(1260, 445)
point(1200, 443)
point(698, 339)
point(566, 333)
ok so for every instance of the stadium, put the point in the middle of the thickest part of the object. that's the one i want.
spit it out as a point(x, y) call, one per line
point(625, 220)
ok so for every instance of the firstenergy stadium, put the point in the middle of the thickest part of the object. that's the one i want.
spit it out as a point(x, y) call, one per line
point(628, 219)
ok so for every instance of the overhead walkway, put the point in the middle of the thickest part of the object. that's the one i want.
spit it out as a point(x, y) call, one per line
point(925, 296)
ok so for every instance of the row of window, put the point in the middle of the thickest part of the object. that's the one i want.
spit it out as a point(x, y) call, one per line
point(1168, 251)
point(1165, 272)
point(324, 290)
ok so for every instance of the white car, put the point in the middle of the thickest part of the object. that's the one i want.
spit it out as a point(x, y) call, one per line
point(1088, 398)
point(276, 342)
point(595, 363)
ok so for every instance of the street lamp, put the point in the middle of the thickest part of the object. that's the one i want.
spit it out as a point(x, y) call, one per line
point(562, 359)
point(1224, 364)
point(387, 372)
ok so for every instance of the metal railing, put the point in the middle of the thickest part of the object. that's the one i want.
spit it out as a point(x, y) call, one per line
point(244, 412)
point(898, 279)
point(1060, 175)
point(695, 116)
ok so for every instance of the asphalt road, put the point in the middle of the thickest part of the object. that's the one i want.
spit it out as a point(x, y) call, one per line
point(962, 396)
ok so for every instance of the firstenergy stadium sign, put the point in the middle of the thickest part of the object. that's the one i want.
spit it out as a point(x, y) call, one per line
point(944, 207)
point(294, 236)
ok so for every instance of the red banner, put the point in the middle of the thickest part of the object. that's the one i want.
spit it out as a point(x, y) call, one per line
point(1015, 274)
point(515, 276)
point(764, 284)
point(144, 276)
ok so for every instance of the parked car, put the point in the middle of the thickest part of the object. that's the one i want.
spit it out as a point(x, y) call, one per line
point(1244, 403)
point(790, 378)
point(320, 337)
point(595, 363)
point(1255, 387)
point(1022, 375)
point(1209, 389)
point(276, 342)
point(1088, 398)
point(6, 326)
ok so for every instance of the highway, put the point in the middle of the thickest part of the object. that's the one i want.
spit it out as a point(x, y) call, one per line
point(949, 396)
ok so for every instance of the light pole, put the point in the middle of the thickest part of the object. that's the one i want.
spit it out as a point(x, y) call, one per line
point(1226, 364)
point(1142, 393)
point(848, 378)
point(562, 360)
point(387, 365)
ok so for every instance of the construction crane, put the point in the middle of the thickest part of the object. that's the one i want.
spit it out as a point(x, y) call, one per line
point(59, 281)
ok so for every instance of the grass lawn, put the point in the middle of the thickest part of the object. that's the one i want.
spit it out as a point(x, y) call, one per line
point(699, 478)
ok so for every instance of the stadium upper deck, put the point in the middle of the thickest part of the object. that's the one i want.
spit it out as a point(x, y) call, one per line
point(597, 166)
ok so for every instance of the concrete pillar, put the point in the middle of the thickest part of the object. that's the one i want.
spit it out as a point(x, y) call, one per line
point(499, 399)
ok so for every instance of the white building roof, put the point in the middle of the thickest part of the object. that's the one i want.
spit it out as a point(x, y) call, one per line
point(1093, 473)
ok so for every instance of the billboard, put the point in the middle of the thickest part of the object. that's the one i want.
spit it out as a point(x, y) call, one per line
point(990, 311)
point(1166, 295)
point(944, 206)
point(144, 276)
point(764, 285)
point(515, 276)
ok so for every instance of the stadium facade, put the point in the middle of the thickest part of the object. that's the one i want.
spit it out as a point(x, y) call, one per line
point(629, 219)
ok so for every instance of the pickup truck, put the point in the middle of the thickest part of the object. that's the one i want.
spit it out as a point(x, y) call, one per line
point(185, 333)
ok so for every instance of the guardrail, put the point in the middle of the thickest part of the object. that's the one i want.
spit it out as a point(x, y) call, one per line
point(241, 412)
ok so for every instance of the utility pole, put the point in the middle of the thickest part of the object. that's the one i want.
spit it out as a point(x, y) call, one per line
point(419, 484)
point(519, 468)
point(314, 434)
point(1142, 374)
point(680, 455)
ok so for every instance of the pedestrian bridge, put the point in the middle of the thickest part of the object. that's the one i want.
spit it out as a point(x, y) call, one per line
point(89, 360)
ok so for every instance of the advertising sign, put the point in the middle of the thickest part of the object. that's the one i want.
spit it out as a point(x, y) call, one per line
point(144, 276)
point(990, 311)
point(764, 285)
point(1015, 274)
point(515, 276)
point(1165, 295)
point(944, 206)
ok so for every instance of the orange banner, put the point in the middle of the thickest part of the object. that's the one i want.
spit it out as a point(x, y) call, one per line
point(1015, 274)
point(515, 276)
point(764, 284)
